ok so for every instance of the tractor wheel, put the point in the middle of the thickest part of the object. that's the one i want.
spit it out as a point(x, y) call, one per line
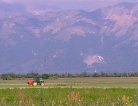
point(42, 84)
point(34, 83)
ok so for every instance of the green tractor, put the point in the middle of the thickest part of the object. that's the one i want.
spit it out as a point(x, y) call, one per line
point(36, 81)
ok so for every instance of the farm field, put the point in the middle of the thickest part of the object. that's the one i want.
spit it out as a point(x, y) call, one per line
point(98, 82)
point(97, 91)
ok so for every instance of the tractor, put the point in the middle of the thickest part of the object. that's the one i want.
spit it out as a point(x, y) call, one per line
point(36, 81)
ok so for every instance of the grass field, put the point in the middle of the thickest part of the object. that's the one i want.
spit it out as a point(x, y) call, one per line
point(98, 82)
point(97, 91)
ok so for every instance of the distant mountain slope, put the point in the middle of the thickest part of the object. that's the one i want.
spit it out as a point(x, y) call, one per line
point(69, 41)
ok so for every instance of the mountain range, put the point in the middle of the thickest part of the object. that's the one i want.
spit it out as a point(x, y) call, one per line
point(46, 41)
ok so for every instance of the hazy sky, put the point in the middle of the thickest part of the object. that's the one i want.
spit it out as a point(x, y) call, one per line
point(69, 4)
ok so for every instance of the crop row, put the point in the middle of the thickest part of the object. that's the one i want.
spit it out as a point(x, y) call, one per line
point(69, 97)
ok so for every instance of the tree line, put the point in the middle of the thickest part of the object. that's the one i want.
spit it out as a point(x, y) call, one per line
point(11, 76)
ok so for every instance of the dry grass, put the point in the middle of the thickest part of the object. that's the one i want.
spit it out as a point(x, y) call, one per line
point(79, 80)
point(73, 96)
point(94, 80)
point(124, 82)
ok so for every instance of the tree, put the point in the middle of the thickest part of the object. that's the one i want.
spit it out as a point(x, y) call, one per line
point(4, 76)
point(9, 76)
point(45, 76)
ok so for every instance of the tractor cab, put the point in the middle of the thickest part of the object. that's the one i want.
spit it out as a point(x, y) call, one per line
point(39, 81)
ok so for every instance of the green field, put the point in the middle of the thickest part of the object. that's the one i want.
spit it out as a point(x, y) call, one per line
point(96, 91)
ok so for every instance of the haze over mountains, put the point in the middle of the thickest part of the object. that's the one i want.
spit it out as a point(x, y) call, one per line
point(71, 41)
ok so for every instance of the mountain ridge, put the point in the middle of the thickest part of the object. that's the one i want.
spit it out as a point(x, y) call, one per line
point(70, 41)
